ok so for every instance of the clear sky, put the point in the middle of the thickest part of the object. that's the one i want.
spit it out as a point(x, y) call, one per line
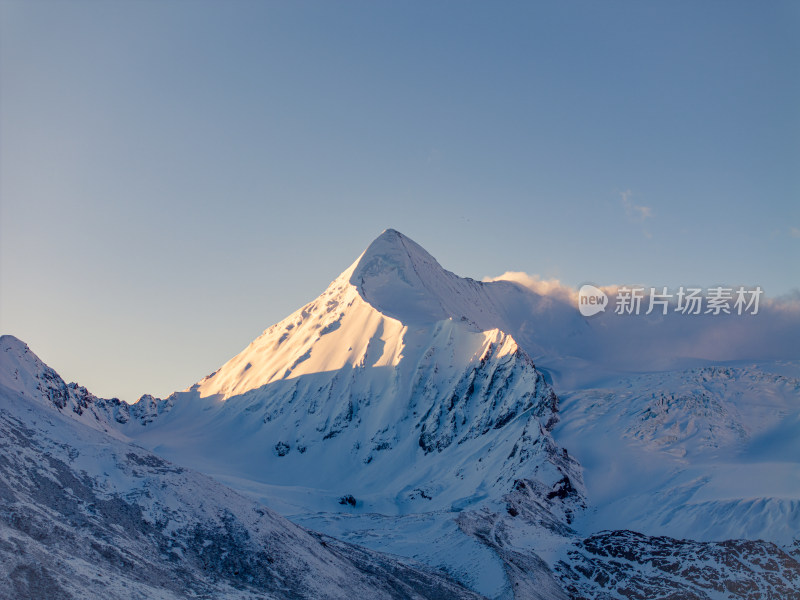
point(177, 176)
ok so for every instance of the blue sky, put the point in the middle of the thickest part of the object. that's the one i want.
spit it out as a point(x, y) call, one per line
point(176, 176)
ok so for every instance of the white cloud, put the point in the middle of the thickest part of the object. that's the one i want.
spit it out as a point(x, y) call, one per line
point(660, 342)
point(634, 211)
point(543, 287)
point(547, 287)
point(794, 232)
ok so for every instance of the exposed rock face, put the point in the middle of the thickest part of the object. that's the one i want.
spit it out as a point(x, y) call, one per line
point(626, 564)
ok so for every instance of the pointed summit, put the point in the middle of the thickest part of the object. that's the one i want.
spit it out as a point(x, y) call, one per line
point(393, 248)
point(393, 252)
point(398, 277)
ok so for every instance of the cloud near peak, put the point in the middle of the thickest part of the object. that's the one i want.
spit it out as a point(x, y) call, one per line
point(543, 287)
point(547, 287)
point(655, 341)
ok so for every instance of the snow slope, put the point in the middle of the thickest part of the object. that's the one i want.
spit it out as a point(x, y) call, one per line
point(708, 453)
point(87, 514)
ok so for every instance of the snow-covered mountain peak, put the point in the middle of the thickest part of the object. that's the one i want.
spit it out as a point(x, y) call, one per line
point(391, 304)
point(391, 249)
point(398, 363)
point(399, 278)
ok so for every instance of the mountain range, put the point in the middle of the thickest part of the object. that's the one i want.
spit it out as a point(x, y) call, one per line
point(410, 433)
